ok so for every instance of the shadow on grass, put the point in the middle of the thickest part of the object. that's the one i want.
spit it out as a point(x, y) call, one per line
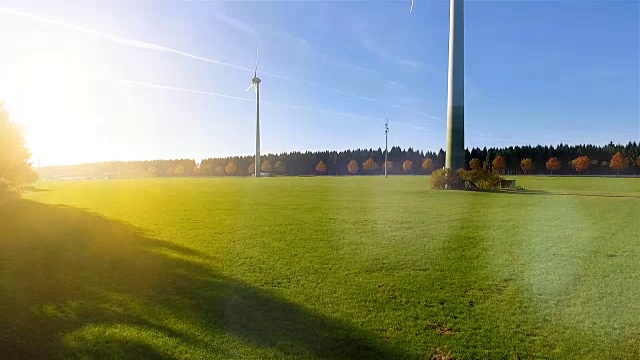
point(544, 192)
point(77, 285)
point(34, 189)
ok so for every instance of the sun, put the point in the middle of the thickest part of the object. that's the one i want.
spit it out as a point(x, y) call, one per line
point(47, 96)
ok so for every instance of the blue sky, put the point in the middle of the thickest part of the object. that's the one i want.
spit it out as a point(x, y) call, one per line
point(108, 80)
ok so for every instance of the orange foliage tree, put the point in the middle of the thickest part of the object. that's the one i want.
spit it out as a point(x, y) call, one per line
point(230, 168)
point(321, 167)
point(498, 164)
point(252, 168)
point(618, 162)
point(475, 164)
point(370, 165)
point(581, 164)
point(526, 165)
point(638, 161)
point(427, 165)
point(389, 165)
point(266, 166)
point(553, 164)
point(408, 164)
point(353, 167)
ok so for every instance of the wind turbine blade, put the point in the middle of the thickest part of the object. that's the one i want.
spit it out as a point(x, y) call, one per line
point(410, 10)
point(249, 88)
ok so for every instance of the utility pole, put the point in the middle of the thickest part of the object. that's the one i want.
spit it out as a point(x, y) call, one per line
point(386, 146)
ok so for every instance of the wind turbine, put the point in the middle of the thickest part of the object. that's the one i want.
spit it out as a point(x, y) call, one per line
point(255, 83)
point(455, 158)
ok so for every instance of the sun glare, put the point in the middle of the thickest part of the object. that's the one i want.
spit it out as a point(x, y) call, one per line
point(47, 96)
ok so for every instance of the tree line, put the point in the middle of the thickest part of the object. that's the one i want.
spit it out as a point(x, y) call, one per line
point(562, 159)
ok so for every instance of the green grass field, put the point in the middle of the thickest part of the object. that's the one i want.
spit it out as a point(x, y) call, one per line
point(349, 267)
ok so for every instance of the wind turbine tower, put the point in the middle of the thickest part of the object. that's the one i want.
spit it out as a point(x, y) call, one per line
point(455, 92)
point(255, 83)
point(455, 99)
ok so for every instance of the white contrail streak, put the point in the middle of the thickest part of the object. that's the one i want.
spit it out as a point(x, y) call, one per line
point(118, 39)
point(164, 87)
point(171, 88)
point(155, 47)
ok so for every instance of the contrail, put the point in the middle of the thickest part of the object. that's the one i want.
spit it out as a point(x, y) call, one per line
point(164, 87)
point(155, 47)
point(119, 40)
point(298, 107)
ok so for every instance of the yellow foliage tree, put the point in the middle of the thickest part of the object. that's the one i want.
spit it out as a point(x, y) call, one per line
point(230, 168)
point(427, 165)
point(407, 165)
point(370, 165)
point(266, 166)
point(179, 171)
point(321, 167)
point(498, 164)
point(15, 168)
point(475, 164)
point(553, 164)
point(526, 165)
point(581, 164)
point(618, 162)
point(353, 167)
point(252, 168)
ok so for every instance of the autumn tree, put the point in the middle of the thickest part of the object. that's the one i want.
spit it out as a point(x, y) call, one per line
point(206, 169)
point(618, 162)
point(370, 165)
point(498, 164)
point(252, 168)
point(353, 167)
point(407, 165)
point(638, 161)
point(179, 171)
point(266, 166)
point(15, 168)
point(553, 164)
point(475, 164)
point(219, 171)
point(389, 165)
point(321, 167)
point(581, 164)
point(279, 168)
point(526, 165)
point(427, 164)
point(171, 171)
point(230, 168)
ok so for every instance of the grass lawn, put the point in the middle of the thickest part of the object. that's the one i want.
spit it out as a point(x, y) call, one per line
point(349, 267)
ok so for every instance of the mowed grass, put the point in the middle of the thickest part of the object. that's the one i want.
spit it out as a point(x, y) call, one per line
point(348, 267)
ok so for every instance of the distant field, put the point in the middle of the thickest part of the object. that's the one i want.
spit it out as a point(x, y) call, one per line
point(324, 267)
